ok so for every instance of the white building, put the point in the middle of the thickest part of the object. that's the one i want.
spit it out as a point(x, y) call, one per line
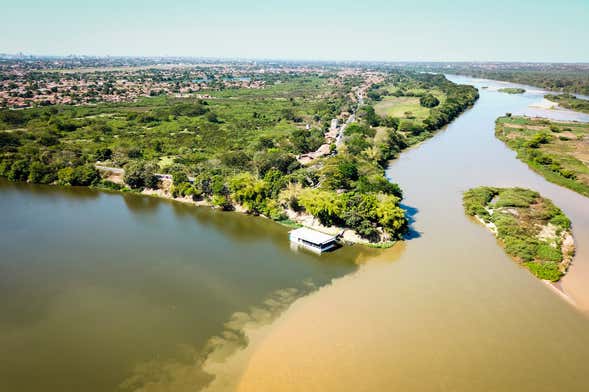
point(313, 240)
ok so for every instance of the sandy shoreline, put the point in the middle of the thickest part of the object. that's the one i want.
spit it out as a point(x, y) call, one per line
point(545, 104)
point(556, 288)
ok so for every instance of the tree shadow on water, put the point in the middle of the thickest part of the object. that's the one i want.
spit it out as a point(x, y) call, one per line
point(410, 213)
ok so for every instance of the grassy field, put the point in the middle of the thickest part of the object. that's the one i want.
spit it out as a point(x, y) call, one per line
point(557, 150)
point(402, 107)
point(531, 228)
point(407, 107)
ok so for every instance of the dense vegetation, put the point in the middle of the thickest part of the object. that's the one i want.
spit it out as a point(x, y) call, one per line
point(237, 148)
point(512, 90)
point(531, 228)
point(569, 101)
point(238, 129)
point(556, 150)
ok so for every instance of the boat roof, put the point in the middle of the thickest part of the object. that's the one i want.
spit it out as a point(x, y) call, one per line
point(313, 236)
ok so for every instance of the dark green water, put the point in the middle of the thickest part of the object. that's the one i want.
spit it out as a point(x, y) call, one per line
point(97, 289)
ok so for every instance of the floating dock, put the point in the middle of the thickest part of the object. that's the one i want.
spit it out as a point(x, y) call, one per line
point(313, 240)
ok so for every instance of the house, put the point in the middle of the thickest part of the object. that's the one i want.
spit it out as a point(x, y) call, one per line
point(313, 240)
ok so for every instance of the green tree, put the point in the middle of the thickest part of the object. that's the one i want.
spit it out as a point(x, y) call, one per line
point(249, 191)
point(19, 170)
point(429, 101)
point(140, 175)
point(324, 205)
point(40, 173)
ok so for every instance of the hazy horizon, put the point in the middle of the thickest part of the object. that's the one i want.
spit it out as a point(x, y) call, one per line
point(270, 59)
point(343, 31)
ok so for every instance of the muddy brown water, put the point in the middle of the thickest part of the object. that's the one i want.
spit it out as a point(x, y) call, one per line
point(104, 292)
point(447, 310)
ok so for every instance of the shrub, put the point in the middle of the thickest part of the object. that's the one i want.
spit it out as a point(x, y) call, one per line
point(516, 197)
point(19, 170)
point(324, 205)
point(547, 271)
point(561, 220)
point(475, 200)
point(546, 252)
point(103, 154)
point(135, 153)
point(41, 173)
point(222, 202)
point(186, 189)
point(178, 174)
point(521, 248)
point(538, 139)
point(105, 184)
point(306, 140)
point(280, 160)
point(140, 175)
point(248, 191)
point(238, 159)
point(84, 175)
point(429, 101)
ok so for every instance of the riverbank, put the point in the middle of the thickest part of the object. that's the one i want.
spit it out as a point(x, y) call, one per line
point(450, 276)
point(531, 229)
point(293, 219)
point(557, 150)
point(570, 102)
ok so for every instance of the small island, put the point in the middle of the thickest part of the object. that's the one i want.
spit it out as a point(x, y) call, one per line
point(556, 150)
point(531, 228)
point(512, 90)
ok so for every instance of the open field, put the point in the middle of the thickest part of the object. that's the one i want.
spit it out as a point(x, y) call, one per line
point(402, 107)
point(407, 107)
point(557, 150)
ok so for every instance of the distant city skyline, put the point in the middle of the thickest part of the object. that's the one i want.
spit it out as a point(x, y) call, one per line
point(372, 30)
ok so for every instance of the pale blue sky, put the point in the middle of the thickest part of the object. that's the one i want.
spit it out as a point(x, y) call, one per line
point(516, 30)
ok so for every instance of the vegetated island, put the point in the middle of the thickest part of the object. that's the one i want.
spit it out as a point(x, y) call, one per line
point(512, 90)
point(559, 151)
point(531, 228)
point(569, 101)
point(301, 148)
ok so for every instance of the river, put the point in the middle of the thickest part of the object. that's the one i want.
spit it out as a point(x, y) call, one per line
point(447, 310)
point(101, 291)
point(104, 292)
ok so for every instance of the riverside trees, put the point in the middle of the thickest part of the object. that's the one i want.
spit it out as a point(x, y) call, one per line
point(237, 148)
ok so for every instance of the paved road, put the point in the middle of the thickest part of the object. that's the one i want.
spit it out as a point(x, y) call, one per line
point(340, 136)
